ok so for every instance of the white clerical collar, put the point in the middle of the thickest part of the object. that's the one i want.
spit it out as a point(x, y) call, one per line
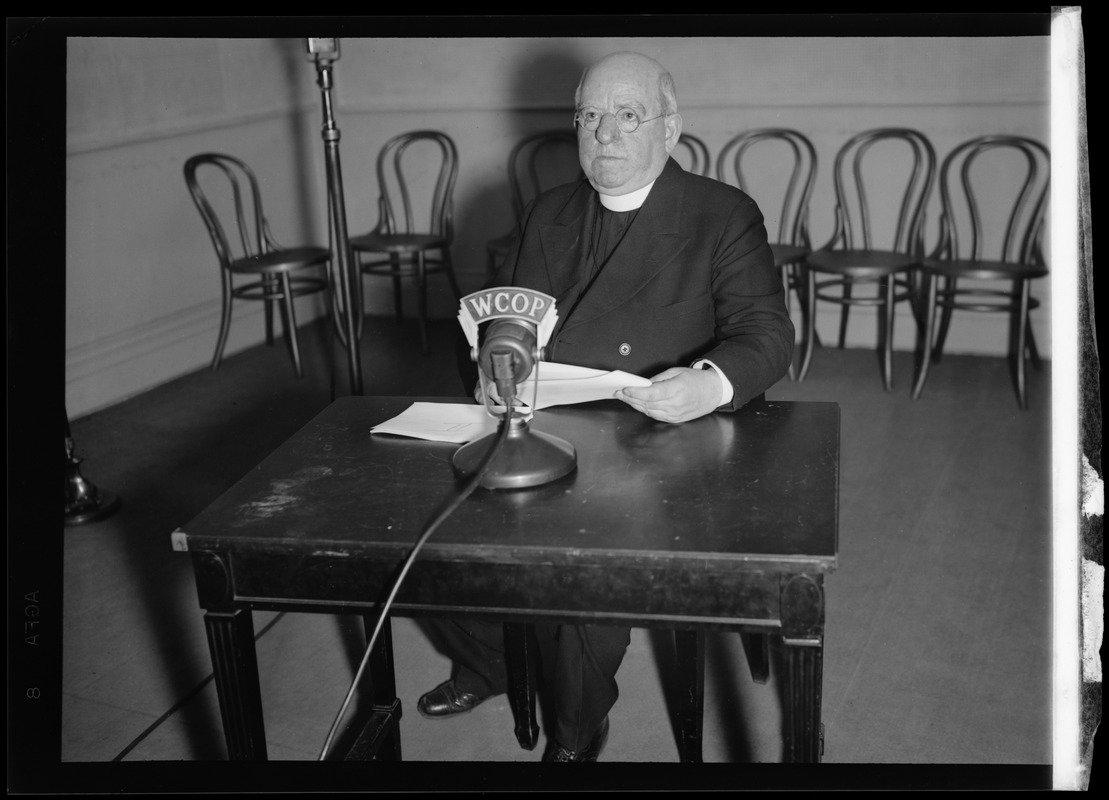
point(626, 202)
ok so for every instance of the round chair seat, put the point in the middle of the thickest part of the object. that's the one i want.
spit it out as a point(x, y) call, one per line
point(398, 242)
point(861, 263)
point(984, 270)
point(788, 253)
point(281, 260)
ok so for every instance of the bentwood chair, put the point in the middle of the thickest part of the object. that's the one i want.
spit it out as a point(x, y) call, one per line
point(694, 154)
point(281, 274)
point(779, 150)
point(1001, 180)
point(887, 194)
point(536, 163)
point(403, 244)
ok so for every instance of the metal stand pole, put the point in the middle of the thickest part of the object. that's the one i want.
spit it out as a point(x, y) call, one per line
point(83, 501)
point(324, 51)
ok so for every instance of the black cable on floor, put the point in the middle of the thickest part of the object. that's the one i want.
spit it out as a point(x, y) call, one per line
point(449, 509)
point(180, 703)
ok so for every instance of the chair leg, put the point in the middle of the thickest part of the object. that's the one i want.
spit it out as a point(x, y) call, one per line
point(397, 287)
point(356, 291)
point(290, 321)
point(448, 266)
point(1020, 322)
point(518, 638)
point(421, 278)
point(787, 287)
point(269, 288)
point(1033, 351)
point(886, 317)
point(224, 322)
point(808, 321)
point(948, 295)
point(844, 311)
point(800, 286)
point(689, 650)
point(926, 339)
point(915, 283)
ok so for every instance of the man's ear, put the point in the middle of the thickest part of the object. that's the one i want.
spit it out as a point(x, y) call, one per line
point(673, 131)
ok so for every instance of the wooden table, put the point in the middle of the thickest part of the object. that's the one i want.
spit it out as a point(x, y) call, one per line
point(727, 522)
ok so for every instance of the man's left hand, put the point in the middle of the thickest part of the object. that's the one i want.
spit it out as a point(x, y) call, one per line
point(679, 394)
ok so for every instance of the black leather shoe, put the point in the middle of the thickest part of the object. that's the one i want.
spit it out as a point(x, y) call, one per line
point(447, 699)
point(559, 753)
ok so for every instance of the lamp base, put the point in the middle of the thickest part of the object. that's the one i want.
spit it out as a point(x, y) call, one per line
point(84, 503)
point(526, 457)
point(106, 505)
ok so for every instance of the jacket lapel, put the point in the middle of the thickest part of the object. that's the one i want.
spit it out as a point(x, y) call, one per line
point(651, 245)
point(563, 243)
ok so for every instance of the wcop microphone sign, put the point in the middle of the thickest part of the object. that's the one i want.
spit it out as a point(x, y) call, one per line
point(507, 302)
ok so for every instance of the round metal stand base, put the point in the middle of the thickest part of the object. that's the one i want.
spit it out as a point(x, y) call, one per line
point(109, 504)
point(526, 458)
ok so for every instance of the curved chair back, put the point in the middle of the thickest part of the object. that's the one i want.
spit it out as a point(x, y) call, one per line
point(1015, 180)
point(1018, 198)
point(793, 223)
point(695, 153)
point(397, 177)
point(241, 203)
point(539, 162)
point(275, 275)
point(857, 178)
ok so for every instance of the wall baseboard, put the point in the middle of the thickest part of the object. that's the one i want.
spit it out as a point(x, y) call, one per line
point(969, 334)
point(112, 369)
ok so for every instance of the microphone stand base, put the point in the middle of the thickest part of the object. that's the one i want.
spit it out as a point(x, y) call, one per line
point(106, 505)
point(526, 458)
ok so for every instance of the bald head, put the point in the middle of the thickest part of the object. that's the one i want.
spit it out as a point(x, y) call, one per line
point(629, 62)
point(618, 161)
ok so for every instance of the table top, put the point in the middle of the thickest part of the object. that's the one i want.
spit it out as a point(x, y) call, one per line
point(755, 489)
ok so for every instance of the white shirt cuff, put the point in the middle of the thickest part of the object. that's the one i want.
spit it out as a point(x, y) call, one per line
point(727, 391)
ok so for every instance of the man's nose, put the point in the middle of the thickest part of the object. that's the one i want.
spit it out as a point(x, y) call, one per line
point(608, 130)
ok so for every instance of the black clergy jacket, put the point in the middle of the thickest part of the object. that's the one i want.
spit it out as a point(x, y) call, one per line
point(693, 278)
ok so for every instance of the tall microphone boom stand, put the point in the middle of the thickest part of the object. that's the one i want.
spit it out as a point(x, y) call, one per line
point(325, 51)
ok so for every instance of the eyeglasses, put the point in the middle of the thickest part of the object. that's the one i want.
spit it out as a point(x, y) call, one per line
point(627, 119)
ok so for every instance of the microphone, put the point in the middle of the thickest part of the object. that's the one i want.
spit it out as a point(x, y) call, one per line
point(519, 321)
point(507, 356)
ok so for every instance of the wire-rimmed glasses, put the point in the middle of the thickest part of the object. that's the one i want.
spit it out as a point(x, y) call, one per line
point(627, 119)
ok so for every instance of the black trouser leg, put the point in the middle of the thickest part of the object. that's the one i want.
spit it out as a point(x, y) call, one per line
point(477, 649)
point(579, 666)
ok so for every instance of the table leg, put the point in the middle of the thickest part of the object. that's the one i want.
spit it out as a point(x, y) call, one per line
point(804, 735)
point(380, 738)
point(756, 646)
point(235, 664)
point(802, 615)
point(689, 648)
point(521, 683)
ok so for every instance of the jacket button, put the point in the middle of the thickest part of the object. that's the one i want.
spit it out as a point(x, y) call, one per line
point(625, 349)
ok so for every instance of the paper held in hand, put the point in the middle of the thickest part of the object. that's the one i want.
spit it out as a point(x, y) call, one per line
point(566, 384)
point(558, 384)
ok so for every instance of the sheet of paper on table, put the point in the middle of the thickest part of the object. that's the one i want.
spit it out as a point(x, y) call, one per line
point(558, 384)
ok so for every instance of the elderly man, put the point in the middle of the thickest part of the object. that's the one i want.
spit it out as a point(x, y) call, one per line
point(656, 272)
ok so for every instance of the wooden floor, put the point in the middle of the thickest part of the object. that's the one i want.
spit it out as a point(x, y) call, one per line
point(938, 647)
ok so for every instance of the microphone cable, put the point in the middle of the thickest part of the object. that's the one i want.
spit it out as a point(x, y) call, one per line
point(448, 509)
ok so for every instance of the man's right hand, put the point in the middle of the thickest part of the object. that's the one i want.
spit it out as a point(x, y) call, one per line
point(494, 398)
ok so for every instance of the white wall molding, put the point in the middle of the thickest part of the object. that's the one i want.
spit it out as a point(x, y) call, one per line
point(111, 369)
point(970, 334)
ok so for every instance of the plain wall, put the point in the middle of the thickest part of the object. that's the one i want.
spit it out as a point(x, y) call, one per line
point(142, 289)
